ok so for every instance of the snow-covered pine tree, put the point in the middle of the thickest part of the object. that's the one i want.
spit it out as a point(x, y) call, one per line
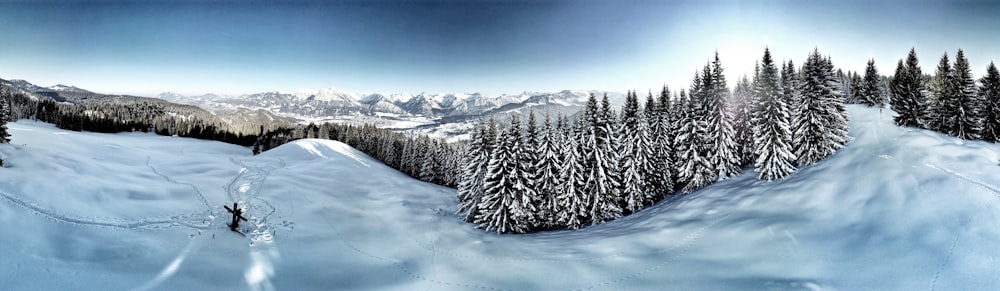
point(550, 159)
point(942, 88)
point(636, 156)
point(817, 113)
point(790, 87)
point(908, 98)
point(430, 169)
point(989, 93)
point(701, 87)
point(772, 136)
point(5, 115)
point(871, 93)
point(530, 152)
point(607, 180)
point(573, 200)
point(630, 112)
point(660, 179)
point(810, 122)
point(600, 162)
point(743, 134)
point(453, 163)
point(723, 152)
point(837, 118)
point(915, 89)
point(412, 156)
point(531, 140)
point(506, 206)
point(694, 168)
point(899, 100)
point(663, 138)
point(844, 83)
point(856, 88)
point(477, 157)
point(967, 114)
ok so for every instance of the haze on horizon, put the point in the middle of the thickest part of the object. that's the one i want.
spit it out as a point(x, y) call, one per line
point(493, 47)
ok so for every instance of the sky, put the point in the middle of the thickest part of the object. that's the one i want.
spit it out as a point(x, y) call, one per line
point(492, 47)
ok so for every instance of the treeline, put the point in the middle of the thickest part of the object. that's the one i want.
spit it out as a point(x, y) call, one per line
point(604, 164)
point(422, 157)
point(951, 101)
point(5, 115)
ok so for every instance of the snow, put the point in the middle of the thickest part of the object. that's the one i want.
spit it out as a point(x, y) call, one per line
point(896, 209)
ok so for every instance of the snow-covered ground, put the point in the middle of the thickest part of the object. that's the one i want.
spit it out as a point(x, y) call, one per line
point(898, 209)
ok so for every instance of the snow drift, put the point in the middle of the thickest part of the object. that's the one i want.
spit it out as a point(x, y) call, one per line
point(898, 208)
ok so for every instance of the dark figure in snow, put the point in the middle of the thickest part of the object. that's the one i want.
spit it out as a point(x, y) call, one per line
point(237, 216)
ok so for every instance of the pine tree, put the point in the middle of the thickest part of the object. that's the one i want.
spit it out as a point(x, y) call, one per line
point(601, 162)
point(856, 88)
point(663, 142)
point(908, 97)
point(4, 115)
point(573, 200)
point(899, 101)
point(772, 136)
point(989, 93)
point(789, 86)
point(871, 94)
point(608, 202)
point(549, 161)
point(837, 119)
point(636, 156)
point(844, 83)
point(694, 167)
point(722, 148)
point(942, 88)
point(743, 133)
point(506, 206)
point(430, 169)
point(818, 114)
point(477, 158)
point(530, 153)
point(966, 122)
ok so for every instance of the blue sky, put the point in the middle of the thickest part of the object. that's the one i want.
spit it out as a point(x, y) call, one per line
point(493, 47)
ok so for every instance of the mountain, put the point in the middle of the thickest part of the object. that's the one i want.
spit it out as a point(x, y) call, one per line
point(896, 209)
point(67, 88)
point(26, 86)
point(333, 102)
point(446, 115)
point(394, 110)
point(51, 91)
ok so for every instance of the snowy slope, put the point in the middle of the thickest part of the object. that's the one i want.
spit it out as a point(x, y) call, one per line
point(898, 209)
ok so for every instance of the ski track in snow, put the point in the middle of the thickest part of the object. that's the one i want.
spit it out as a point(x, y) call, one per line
point(188, 220)
point(201, 196)
point(245, 189)
point(958, 234)
point(142, 224)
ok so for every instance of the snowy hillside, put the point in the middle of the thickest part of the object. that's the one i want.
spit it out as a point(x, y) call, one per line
point(897, 209)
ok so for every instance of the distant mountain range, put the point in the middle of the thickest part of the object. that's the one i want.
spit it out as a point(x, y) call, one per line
point(54, 92)
point(337, 103)
point(442, 115)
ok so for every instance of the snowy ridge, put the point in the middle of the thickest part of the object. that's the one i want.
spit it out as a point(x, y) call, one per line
point(897, 209)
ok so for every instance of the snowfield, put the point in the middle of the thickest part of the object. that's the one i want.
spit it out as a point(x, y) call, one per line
point(897, 209)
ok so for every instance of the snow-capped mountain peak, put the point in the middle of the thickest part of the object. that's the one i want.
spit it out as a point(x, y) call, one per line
point(68, 88)
point(327, 94)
